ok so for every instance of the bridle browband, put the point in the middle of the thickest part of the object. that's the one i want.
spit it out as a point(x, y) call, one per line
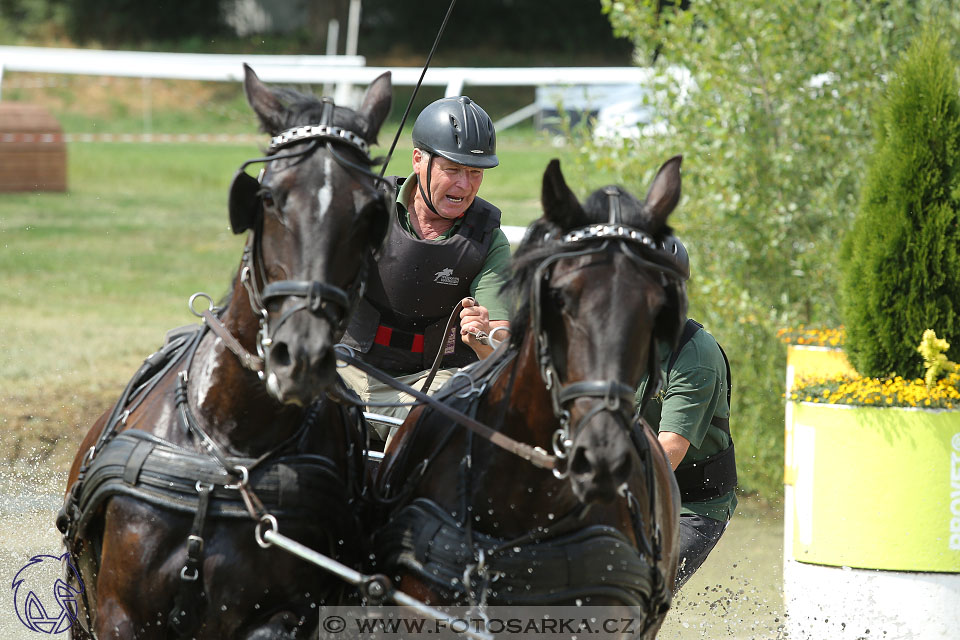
point(318, 298)
point(613, 395)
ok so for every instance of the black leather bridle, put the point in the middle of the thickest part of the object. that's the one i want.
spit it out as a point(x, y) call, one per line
point(611, 395)
point(320, 299)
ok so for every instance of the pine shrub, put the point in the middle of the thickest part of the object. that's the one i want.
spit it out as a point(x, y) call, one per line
point(901, 268)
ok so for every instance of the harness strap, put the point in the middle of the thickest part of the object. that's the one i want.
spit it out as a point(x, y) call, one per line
point(534, 455)
point(190, 598)
point(247, 359)
point(595, 560)
point(612, 391)
point(443, 347)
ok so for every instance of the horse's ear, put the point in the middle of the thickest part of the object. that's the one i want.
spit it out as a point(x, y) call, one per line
point(375, 106)
point(664, 193)
point(560, 205)
point(263, 102)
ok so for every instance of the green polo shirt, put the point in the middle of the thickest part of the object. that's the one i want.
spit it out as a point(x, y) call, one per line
point(485, 288)
point(695, 392)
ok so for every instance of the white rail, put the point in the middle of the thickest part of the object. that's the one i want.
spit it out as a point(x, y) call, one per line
point(296, 69)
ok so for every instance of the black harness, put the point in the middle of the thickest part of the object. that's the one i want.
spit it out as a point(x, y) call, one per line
point(578, 562)
point(568, 561)
point(288, 485)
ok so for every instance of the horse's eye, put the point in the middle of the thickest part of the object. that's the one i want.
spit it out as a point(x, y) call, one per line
point(266, 197)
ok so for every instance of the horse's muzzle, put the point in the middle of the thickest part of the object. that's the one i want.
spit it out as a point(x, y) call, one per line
point(300, 368)
point(601, 461)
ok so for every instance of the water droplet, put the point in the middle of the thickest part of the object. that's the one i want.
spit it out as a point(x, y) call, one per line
point(550, 516)
point(578, 602)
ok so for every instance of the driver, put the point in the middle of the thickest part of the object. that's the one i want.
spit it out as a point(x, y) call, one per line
point(692, 416)
point(444, 246)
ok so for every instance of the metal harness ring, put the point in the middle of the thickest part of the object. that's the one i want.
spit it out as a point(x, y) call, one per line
point(193, 298)
point(259, 532)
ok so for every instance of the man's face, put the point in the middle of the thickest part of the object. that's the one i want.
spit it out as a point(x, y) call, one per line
point(452, 186)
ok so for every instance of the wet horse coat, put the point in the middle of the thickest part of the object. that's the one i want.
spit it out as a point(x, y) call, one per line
point(163, 495)
point(471, 523)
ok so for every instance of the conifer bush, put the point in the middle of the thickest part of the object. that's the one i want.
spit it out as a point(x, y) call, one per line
point(900, 262)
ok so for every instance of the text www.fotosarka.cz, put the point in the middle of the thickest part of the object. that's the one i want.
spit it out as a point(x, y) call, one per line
point(368, 623)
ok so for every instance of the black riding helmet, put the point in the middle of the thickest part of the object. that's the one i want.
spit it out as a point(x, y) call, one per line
point(460, 131)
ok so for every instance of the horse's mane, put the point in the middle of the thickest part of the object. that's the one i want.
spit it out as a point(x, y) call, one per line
point(543, 240)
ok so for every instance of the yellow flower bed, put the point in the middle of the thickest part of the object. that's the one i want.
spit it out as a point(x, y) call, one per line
point(812, 336)
point(876, 392)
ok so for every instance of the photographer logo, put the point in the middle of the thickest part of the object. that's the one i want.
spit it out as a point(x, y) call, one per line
point(43, 600)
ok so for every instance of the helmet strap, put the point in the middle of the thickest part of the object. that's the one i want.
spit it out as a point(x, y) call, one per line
point(425, 195)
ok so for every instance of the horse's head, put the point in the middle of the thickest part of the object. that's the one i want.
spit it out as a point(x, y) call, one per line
point(314, 215)
point(604, 284)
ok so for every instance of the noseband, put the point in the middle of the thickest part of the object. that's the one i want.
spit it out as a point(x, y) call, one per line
point(613, 395)
point(317, 298)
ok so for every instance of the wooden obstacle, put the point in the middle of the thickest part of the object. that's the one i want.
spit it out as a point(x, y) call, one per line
point(33, 155)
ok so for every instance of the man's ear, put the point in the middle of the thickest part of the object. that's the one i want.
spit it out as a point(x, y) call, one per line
point(420, 157)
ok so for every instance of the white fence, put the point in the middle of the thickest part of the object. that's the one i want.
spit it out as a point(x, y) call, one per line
point(297, 69)
point(343, 71)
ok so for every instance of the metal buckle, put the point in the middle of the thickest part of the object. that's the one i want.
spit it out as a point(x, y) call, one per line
point(244, 478)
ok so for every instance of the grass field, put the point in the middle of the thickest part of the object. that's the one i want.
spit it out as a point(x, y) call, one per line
point(91, 279)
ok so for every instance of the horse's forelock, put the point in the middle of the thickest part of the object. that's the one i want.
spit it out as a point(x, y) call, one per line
point(632, 211)
point(303, 109)
point(543, 240)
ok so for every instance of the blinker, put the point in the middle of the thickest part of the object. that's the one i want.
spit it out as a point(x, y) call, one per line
point(243, 202)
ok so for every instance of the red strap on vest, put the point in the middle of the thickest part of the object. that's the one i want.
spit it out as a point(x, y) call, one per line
point(388, 337)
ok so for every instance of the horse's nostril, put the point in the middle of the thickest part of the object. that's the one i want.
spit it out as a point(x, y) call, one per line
point(280, 355)
point(579, 464)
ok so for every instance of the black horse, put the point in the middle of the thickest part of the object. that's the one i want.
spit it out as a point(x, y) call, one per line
point(470, 521)
point(210, 441)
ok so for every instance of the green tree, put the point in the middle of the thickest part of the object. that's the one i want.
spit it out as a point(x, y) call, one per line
point(901, 263)
point(773, 128)
point(125, 22)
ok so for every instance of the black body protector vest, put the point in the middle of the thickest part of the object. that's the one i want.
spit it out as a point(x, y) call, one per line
point(413, 287)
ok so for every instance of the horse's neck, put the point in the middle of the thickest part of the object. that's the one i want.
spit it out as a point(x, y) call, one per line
point(230, 402)
point(534, 497)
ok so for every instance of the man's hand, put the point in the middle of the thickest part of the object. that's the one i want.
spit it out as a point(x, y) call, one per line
point(475, 322)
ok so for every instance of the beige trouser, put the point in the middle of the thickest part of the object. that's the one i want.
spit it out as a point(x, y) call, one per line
point(372, 390)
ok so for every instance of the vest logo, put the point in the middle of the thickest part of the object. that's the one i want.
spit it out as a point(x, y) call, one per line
point(44, 602)
point(446, 277)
